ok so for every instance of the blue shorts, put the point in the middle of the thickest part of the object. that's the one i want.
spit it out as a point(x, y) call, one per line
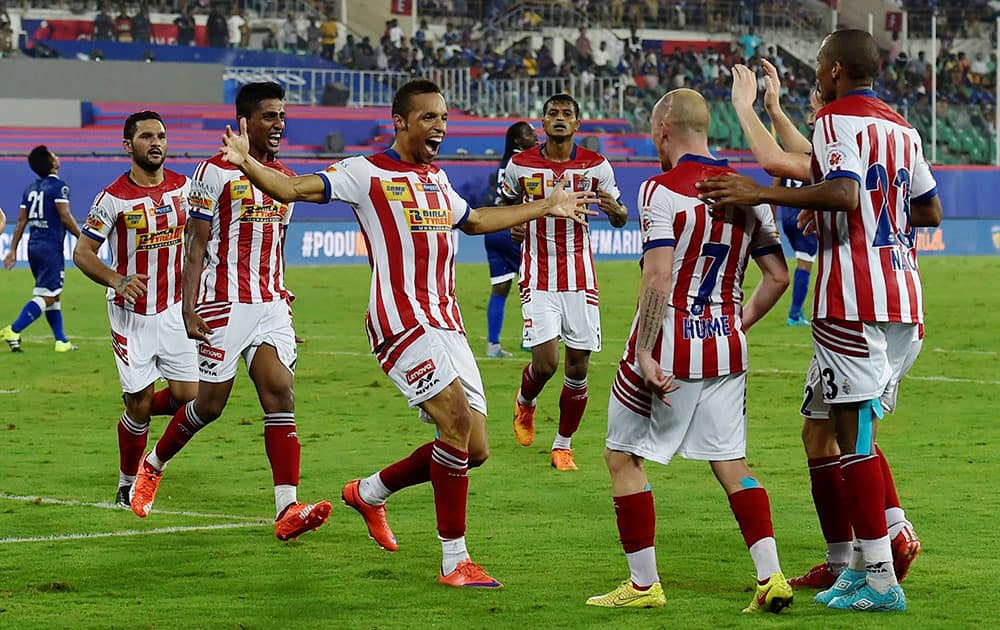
point(49, 267)
point(504, 256)
point(805, 246)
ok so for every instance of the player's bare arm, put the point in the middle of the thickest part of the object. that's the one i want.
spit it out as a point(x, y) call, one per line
point(775, 160)
point(22, 221)
point(62, 207)
point(791, 139)
point(833, 195)
point(196, 234)
point(561, 203)
point(926, 213)
point(236, 150)
point(616, 211)
point(85, 258)
point(654, 299)
point(773, 283)
point(3, 220)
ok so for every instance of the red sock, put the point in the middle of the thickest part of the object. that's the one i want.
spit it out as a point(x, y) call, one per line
point(866, 492)
point(281, 443)
point(636, 517)
point(752, 510)
point(891, 498)
point(531, 385)
point(572, 404)
point(132, 438)
point(179, 432)
point(830, 499)
point(409, 471)
point(450, 478)
point(163, 403)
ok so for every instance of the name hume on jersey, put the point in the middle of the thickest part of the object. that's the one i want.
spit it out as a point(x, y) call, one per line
point(417, 218)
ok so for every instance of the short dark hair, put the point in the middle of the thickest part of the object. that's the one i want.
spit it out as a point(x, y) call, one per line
point(402, 100)
point(856, 51)
point(561, 98)
point(40, 160)
point(251, 94)
point(132, 122)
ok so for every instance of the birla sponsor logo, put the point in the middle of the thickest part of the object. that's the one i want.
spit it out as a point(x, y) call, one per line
point(396, 191)
point(263, 213)
point(240, 189)
point(167, 237)
point(135, 220)
point(423, 370)
point(428, 219)
point(217, 354)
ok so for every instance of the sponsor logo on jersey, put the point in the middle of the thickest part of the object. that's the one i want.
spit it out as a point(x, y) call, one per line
point(396, 191)
point(94, 223)
point(168, 237)
point(835, 159)
point(166, 209)
point(240, 189)
point(428, 219)
point(429, 187)
point(421, 371)
point(135, 220)
point(216, 354)
point(263, 213)
point(534, 186)
point(201, 202)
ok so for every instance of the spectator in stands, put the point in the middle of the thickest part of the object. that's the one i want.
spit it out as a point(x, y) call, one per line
point(43, 32)
point(185, 27)
point(123, 27)
point(602, 61)
point(395, 33)
point(235, 24)
point(616, 12)
point(424, 35)
point(104, 26)
point(750, 41)
point(347, 54)
point(141, 25)
point(634, 43)
point(216, 28)
point(290, 30)
point(328, 32)
point(314, 37)
point(584, 50)
point(270, 40)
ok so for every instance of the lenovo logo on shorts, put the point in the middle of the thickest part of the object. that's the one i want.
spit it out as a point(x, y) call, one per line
point(425, 369)
point(211, 353)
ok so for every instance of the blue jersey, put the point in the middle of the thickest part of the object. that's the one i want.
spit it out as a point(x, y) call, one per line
point(801, 243)
point(39, 200)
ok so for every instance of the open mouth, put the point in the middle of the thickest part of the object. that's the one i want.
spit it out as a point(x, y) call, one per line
point(274, 139)
point(559, 127)
point(154, 154)
point(433, 144)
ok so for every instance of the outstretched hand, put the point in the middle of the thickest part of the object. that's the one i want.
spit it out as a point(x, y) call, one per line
point(744, 92)
point(235, 147)
point(571, 204)
point(729, 190)
point(772, 85)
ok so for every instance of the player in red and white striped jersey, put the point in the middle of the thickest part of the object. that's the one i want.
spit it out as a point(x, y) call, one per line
point(407, 211)
point(874, 187)
point(559, 298)
point(141, 217)
point(236, 305)
point(688, 341)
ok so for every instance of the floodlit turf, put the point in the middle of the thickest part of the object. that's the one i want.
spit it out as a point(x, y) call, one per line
point(549, 536)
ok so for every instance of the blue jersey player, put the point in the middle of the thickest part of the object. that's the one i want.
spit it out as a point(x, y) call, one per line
point(45, 209)
point(805, 252)
point(502, 251)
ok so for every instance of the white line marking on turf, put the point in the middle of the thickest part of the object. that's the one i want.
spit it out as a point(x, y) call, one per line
point(112, 506)
point(129, 532)
point(9, 391)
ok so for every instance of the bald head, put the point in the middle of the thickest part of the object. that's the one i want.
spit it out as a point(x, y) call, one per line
point(855, 50)
point(684, 110)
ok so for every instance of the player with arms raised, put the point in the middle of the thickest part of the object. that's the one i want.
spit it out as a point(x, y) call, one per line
point(408, 211)
point(688, 341)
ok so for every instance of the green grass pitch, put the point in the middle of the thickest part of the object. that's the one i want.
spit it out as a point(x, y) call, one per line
point(207, 556)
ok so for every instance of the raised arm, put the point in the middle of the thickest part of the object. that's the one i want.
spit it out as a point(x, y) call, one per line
point(791, 138)
point(236, 150)
point(839, 194)
point(562, 203)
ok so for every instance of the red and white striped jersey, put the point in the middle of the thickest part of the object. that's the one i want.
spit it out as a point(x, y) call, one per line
point(556, 254)
point(144, 229)
point(407, 213)
point(702, 334)
point(245, 261)
point(867, 261)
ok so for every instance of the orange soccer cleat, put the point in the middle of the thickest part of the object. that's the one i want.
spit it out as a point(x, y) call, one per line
point(562, 459)
point(374, 515)
point(524, 422)
point(299, 518)
point(143, 491)
point(468, 574)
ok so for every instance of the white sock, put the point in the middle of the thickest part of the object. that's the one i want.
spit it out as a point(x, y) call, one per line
point(838, 555)
point(284, 495)
point(895, 517)
point(765, 557)
point(878, 563)
point(125, 480)
point(524, 401)
point(373, 491)
point(857, 561)
point(153, 460)
point(453, 551)
point(561, 442)
point(642, 566)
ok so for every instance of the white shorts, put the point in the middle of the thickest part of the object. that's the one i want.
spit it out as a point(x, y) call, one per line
point(573, 316)
point(423, 361)
point(857, 362)
point(148, 347)
point(708, 421)
point(238, 330)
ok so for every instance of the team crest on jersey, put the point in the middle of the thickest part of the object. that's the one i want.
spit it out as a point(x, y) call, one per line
point(135, 220)
point(167, 237)
point(263, 213)
point(534, 186)
point(428, 219)
point(396, 191)
point(834, 157)
point(240, 189)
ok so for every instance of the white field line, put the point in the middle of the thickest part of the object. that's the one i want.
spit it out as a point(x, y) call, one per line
point(9, 391)
point(111, 506)
point(129, 533)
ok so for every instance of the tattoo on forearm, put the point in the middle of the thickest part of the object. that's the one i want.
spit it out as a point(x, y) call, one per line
point(652, 307)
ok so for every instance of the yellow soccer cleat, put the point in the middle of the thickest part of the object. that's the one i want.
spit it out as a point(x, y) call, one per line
point(65, 346)
point(12, 338)
point(627, 596)
point(772, 596)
